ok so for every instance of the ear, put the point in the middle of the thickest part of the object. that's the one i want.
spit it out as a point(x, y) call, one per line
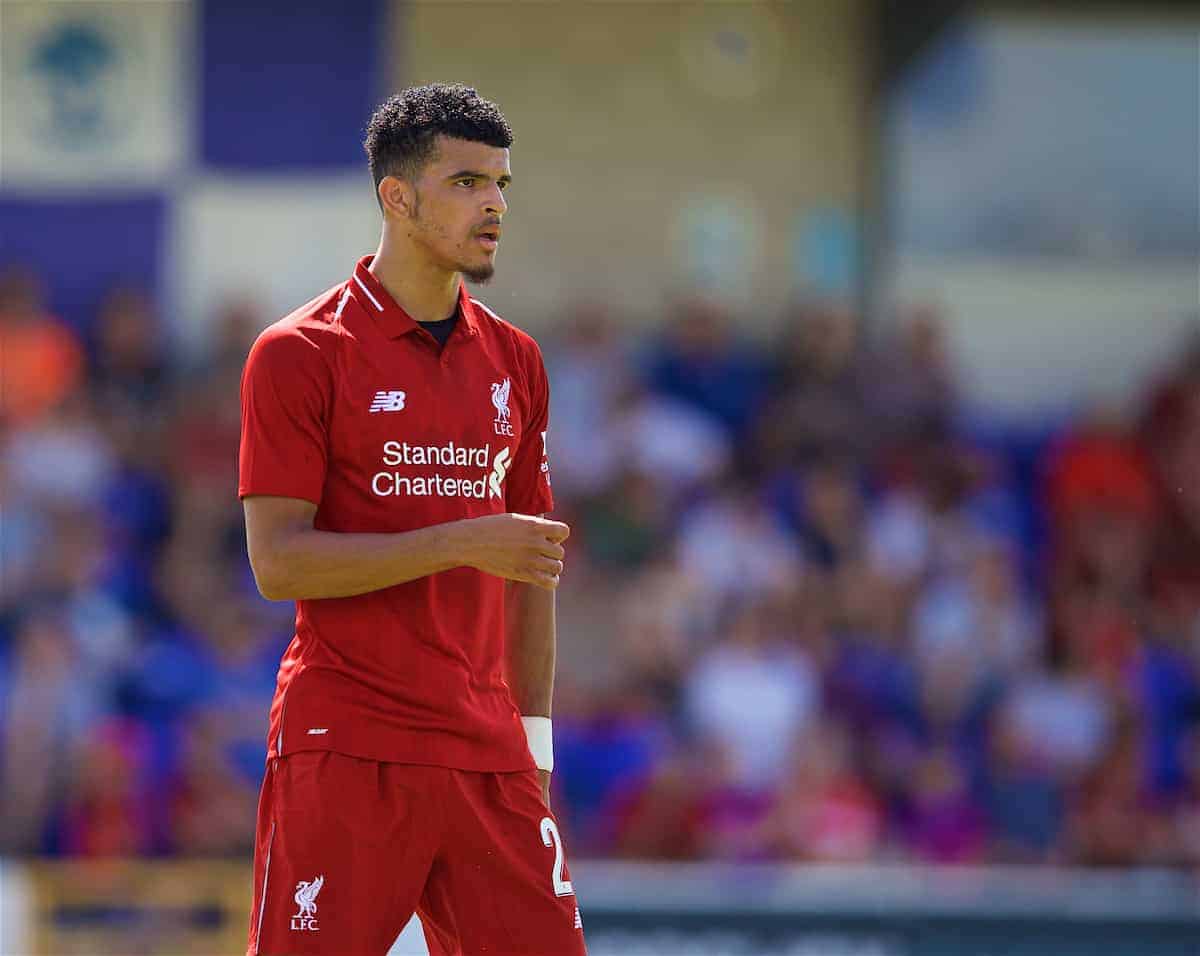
point(397, 197)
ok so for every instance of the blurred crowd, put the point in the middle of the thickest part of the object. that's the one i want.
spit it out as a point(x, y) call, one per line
point(813, 610)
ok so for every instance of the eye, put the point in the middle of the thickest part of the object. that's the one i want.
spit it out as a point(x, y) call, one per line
point(467, 181)
point(503, 184)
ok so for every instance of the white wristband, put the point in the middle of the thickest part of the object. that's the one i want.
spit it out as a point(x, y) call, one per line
point(539, 733)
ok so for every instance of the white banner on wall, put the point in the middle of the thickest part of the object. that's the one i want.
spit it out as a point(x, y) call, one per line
point(93, 94)
point(276, 240)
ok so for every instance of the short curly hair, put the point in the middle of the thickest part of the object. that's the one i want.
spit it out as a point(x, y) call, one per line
point(400, 136)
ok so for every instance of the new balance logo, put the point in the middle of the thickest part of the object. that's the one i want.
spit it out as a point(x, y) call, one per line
point(392, 401)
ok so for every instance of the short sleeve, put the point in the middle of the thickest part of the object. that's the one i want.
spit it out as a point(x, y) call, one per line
point(529, 478)
point(285, 394)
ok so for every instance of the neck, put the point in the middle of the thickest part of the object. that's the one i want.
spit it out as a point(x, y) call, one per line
point(426, 291)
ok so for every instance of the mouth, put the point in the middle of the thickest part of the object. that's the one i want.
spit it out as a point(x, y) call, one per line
point(489, 238)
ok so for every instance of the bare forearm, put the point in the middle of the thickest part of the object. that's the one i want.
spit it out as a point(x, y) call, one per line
point(530, 647)
point(307, 563)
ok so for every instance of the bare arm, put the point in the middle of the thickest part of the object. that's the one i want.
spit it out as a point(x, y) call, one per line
point(529, 648)
point(293, 561)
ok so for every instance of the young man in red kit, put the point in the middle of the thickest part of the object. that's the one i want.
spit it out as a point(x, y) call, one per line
point(394, 477)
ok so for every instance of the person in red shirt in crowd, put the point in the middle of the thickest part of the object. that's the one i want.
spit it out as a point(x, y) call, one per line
point(41, 361)
point(1103, 506)
point(1172, 435)
point(394, 477)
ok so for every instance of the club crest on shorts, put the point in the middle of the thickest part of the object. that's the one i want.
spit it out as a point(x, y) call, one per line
point(306, 899)
point(500, 394)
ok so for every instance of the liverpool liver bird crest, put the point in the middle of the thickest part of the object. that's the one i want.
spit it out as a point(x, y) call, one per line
point(306, 896)
point(500, 391)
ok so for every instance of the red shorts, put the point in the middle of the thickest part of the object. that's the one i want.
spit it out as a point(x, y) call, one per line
point(348, 849)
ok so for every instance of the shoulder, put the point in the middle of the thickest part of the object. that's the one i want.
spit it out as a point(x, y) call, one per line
point(303, 338)
point(518, 339)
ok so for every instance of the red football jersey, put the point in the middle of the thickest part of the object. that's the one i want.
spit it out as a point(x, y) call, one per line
point(349, 403)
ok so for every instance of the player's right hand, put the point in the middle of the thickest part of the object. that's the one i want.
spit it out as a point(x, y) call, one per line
point(517, 547)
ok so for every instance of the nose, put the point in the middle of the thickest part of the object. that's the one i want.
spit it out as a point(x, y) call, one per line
point(496, 206)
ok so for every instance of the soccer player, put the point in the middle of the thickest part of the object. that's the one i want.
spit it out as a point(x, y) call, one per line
point(394, 478)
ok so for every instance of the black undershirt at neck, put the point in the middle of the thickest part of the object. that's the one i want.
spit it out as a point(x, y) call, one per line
point(441, 329)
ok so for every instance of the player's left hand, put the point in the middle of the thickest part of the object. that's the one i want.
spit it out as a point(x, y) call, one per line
point(544, 777)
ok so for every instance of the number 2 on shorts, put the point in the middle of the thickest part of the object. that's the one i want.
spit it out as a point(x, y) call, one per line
point(550, 837)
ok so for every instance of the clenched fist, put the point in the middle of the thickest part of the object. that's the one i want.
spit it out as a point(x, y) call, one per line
point(516, 547)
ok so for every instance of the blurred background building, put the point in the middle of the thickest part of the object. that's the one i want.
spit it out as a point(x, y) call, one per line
point(873, 338)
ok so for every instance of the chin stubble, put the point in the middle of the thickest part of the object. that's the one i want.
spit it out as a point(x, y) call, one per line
point(481, 275)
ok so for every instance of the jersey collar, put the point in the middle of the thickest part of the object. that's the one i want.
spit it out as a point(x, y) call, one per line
point(395, 322)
